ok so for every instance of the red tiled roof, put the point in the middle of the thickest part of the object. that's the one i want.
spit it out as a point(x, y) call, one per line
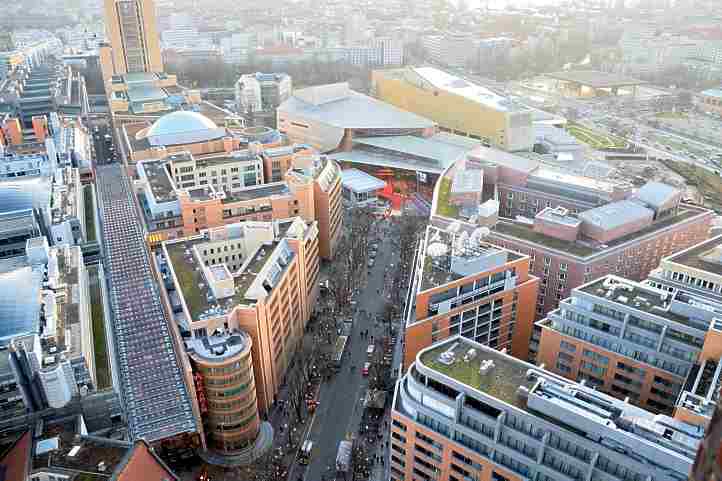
point(143, 464)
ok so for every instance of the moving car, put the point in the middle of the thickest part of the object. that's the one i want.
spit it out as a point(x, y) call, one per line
point(365, 370)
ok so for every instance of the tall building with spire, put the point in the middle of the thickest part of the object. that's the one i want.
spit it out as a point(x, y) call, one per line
point(134, 41)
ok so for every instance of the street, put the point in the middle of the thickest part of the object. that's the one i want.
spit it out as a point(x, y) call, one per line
point(341, 408)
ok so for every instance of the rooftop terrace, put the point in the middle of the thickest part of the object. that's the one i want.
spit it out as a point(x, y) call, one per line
point(635, 295)
point(194, 286)
point(501, 382)
point(448, 256)
point(706, 256)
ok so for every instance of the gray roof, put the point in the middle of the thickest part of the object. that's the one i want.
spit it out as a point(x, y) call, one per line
point(359, 181)
point(393, 161)
point(655, 194)
point(441, 149)
point(616, 214)
point(25, 194)
point(354, 111)
point(506, 159)
point(155, 397)
point(19, 300)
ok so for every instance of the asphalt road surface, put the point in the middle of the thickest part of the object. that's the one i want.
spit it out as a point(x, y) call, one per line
point(338, 416)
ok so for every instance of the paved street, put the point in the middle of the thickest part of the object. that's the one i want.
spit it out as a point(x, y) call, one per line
point(338, 416)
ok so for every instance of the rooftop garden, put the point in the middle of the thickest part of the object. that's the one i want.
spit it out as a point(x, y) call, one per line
point(594, 139)
point(188, 280)
point(89, 213)
point(443, 206)
point(100, 343)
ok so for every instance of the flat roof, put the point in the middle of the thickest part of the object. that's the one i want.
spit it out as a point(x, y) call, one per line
point(595, 78)
point(563, 405)
point(359, 181)
point(526, 233)
point(636, 295)
point(352, 110)
point(257, 192)
point(391, 161)
point(159, 180)
point(505, 159)
point(445, 260)
point(706, 256)
point(459, 86)
point(616, 214)
point(441, 149)
point(502, 382)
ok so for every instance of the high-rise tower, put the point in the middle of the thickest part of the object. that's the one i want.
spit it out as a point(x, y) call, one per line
point(131, 28)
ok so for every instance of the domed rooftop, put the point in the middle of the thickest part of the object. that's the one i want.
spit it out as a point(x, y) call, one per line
point(182, 127)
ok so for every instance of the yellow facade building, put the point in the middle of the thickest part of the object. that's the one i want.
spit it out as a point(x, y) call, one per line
point(458, 106)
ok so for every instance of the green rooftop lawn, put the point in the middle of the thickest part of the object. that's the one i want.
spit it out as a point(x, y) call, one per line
point(188, 280)
point(100, 344)
point(443, 207)
point(89, 212)
point(596, 140)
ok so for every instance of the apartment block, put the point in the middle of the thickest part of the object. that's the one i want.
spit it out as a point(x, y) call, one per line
point(631, 340)
point(259, 278)
point(464, 285)
point(573, 228)
point(465, 411)
point(184, 194)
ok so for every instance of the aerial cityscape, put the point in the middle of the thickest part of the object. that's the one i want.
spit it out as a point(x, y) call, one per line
point(409, 240)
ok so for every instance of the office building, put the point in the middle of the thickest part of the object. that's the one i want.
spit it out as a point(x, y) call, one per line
point(261, 92)
point(320, 117)
point(463, 285)
point(260, 278)
point(223, 375)
point(46, 344)
point(465, 411)
point(636, 341)
point(574, 229)
point(134, 42)
point(238, 48)
point(391, 50)
point(450, 49)
point(457, 106)
point(185, 191)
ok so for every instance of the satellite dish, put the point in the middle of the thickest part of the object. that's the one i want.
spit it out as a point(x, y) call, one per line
point(437, 249)
point(454, 227)
point(477, 237)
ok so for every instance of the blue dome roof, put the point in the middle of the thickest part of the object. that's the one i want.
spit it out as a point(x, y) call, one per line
point(179, 122)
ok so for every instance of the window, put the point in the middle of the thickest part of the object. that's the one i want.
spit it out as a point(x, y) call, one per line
point(563, 266)
point(547, 260)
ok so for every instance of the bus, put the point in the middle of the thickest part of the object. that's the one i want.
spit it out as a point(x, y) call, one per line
point(339, 350)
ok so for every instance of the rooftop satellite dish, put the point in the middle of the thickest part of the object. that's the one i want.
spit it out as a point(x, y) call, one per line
point(437, 249)
point(454, 227)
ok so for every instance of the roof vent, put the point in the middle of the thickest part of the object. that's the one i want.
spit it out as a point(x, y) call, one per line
point(486, 366)
point(470, 354)
point(102, 467)
point(522, 393)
